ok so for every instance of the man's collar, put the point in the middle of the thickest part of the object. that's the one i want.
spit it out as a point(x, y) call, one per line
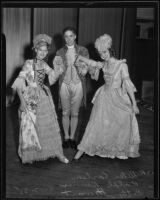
point(71, 47)
point(66, 47)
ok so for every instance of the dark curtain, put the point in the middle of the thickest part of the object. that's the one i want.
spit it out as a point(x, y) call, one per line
point(16, 26)
point(94, 22)
point(128, 39)
point(52, 21)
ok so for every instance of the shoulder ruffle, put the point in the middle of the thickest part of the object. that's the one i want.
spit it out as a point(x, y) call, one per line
point(121, 61)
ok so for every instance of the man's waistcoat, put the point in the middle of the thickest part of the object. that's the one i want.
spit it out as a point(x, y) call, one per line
point(80, 50)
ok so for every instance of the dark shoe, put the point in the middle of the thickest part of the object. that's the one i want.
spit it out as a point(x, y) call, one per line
point(75, 160)
point(73, 144)
point(66, 144)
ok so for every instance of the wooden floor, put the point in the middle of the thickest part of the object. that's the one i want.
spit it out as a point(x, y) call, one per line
point(90, 178)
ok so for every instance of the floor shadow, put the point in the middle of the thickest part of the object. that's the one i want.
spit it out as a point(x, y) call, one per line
point(14, 102)
point(83, 119)
point(14, 119)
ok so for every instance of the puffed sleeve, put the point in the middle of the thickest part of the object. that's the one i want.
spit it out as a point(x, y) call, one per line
point(126, 81)
point(20, 82)
point(89, 65)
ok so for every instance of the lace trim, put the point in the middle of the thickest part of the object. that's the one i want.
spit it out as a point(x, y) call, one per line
point(132, 151)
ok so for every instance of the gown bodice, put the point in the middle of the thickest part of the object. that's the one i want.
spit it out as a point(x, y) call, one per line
point(108, 75)
point(39, 77)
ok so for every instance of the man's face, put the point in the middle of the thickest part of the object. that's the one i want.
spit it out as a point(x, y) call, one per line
point(69, 38)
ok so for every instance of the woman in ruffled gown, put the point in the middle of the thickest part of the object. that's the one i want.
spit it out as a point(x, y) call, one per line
point(39, 137)
point(112, 130)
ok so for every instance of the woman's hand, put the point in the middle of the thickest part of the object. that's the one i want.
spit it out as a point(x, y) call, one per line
point(99, 65)
point(22, 107)
point(79, 58)
point(83, 59)
point(58, 65)
point(58, 60)
point(135, 109)
point(59, 70)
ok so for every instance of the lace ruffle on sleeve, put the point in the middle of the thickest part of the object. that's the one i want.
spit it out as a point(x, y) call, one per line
point(82, 67)
point(20, 82)
point(127, 84)
point(94, 69)
point(53, 74)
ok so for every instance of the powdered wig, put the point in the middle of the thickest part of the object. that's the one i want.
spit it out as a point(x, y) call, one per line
point(104, 42)
point(41, 40)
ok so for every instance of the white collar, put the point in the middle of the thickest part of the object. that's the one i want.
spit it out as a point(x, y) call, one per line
point(70, 47)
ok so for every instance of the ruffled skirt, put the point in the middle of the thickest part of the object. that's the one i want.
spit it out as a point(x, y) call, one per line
point(48, 132)
point(112, 130)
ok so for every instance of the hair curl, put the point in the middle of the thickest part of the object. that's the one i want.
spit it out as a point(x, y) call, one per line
point(104, 42)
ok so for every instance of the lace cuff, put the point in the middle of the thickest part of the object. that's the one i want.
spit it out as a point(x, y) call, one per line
point(127, 84)
point(19, 83)
point(94, 72)
point(22, 74)
point(82, 67)
point(58, 65)
point(52, 77)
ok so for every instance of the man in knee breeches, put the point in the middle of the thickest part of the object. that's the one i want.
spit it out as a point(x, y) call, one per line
point(72, 85)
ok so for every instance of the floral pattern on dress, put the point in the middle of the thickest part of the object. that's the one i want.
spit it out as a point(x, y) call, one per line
point(31, 94)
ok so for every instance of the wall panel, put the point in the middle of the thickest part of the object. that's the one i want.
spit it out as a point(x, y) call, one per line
point(94, 22)
point(16, 28)
point(52, 21)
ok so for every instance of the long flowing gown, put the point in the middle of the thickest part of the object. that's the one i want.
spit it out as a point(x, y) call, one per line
point(39, 136)
point(112, 130)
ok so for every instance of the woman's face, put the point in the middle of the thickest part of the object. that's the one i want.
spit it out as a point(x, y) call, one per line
point(41, 52)
point(105, 55)
point(69, 38)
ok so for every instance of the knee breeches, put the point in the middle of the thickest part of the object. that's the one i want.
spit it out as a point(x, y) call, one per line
point(71, 97)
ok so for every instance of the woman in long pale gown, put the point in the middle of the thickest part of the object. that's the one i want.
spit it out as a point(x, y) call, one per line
point(39, 137)
point(112, 130)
